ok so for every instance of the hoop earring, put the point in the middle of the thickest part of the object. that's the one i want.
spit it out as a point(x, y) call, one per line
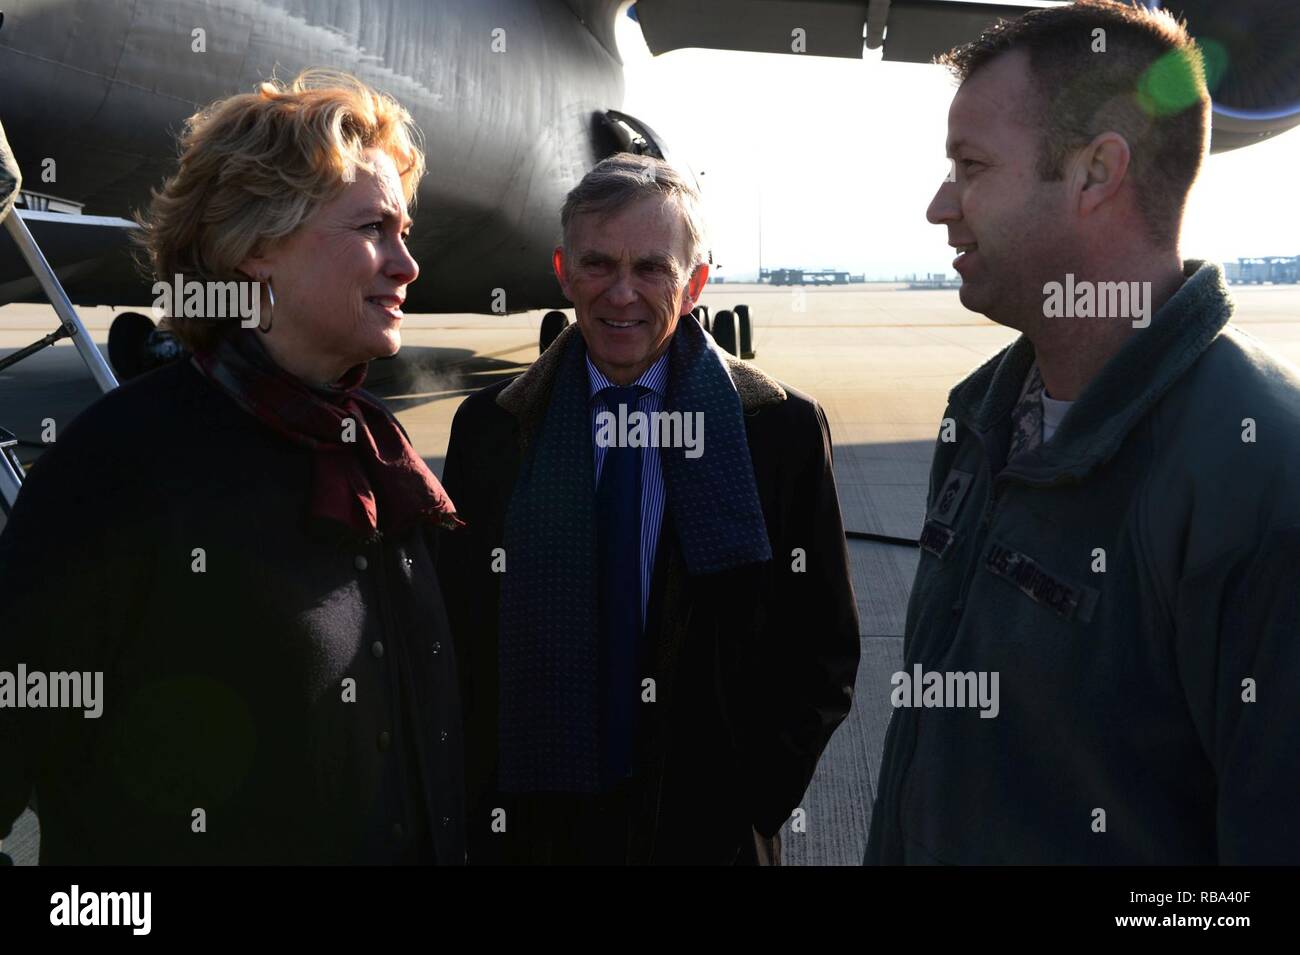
point(271, 313)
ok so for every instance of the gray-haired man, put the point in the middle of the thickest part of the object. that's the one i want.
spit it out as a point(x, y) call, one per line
point(656, 629)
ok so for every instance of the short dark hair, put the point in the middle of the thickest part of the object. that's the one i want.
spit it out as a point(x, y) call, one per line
point(1148, 85)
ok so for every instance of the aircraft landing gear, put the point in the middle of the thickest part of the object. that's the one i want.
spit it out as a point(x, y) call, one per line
point(136, 346)
point(746, 331)
point(552, 324)
point(724, 331)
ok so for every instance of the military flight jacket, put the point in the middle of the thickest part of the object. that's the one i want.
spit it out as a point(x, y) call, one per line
point(1133, 582)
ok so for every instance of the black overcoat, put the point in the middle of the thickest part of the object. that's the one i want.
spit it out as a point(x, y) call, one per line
point(754, 668)
point(298, 690)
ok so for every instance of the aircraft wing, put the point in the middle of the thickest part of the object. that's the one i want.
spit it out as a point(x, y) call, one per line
point(80, 249)
point(1252, 46)
point(918, 30)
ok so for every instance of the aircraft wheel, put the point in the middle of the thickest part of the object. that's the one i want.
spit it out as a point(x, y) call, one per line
point(724, 331)
point(552, 324)
point(746, 331)
point(127, 337)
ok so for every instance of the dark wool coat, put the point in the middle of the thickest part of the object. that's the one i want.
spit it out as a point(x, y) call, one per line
point(754, 668)
point(224, 690)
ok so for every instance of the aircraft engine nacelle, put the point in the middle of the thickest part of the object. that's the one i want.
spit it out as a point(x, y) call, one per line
point(1252, 54)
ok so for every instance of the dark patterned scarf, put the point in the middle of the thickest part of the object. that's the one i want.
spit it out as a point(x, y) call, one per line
point(548, 644)
point(372, 485)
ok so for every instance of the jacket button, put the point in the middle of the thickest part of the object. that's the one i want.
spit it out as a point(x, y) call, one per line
point(377, 649)
point(384, 740)
point(408, 561)
point(398, 830)
point(436, 647)
point(444, 736)
point(446, 821)
point(361, 563)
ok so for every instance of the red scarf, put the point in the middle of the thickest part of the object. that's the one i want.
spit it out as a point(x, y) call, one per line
point(371, 485)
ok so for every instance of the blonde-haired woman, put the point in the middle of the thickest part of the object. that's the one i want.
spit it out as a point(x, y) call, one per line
point(243, 543)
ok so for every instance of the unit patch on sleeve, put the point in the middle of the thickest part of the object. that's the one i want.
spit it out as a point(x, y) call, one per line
point(937, 539)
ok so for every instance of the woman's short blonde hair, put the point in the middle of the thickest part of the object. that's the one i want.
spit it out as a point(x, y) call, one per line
point(256, 166)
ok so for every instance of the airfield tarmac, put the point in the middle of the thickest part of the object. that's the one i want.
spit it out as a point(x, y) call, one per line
point(879, 358)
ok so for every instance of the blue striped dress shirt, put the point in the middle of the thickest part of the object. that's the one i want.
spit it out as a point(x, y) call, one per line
point(652, 477)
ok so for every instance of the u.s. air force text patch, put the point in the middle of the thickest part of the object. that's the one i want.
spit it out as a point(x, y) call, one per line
point(1069, 600)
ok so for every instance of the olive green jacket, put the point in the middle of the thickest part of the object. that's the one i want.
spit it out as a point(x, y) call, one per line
point(1133, 584)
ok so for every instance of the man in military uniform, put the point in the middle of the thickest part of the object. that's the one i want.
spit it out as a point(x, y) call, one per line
point(1113, 514)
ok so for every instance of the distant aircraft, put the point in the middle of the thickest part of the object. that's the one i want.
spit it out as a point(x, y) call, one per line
point(516, 99)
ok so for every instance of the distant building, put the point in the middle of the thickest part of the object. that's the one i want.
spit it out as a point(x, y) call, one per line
point(809, 277)
point(933, 280)
point(1258, 270)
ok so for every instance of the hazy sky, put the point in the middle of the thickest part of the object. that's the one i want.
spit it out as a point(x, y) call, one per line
point(843, 156)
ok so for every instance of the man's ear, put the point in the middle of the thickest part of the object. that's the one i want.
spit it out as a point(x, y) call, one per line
point(557, 263)
point(695, 287)
point(1099, 171)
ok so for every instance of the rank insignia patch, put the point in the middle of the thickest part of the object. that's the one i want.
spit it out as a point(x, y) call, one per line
point(955, 486)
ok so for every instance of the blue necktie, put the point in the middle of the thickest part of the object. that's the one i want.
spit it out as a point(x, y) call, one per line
point(618, 553)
